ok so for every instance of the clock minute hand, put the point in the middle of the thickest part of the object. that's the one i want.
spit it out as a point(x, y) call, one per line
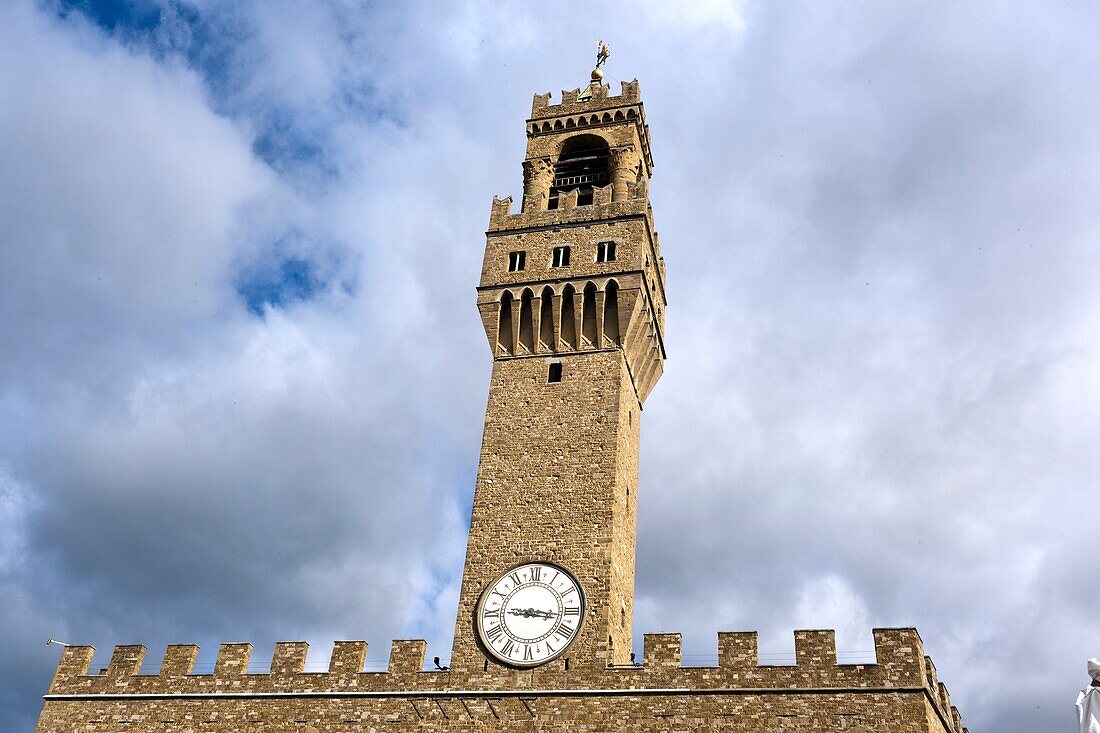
point(530, 613)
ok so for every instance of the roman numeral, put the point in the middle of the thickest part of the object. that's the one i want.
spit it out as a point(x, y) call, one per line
point(564, 631)
point(493, 633)
point(496, 613)
point(515, 578)
point(527, 656)
point(494, 590)
point(507, 648)
point(549, 649)
point(568, 591)
point(536, 572)
point(572, 610)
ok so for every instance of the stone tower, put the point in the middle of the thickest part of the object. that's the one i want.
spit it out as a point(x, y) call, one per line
point(572, 297)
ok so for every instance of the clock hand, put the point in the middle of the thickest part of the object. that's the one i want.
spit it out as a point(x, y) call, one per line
point(530, 613)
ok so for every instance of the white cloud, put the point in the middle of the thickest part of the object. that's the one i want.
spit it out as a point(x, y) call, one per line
point(880, 399)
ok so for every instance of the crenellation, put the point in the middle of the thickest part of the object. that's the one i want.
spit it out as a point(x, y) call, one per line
point(539, 103)
point(125, 661)
point(815, 648)
point(900, 652)
point(931, 680)
point(568, 200)
point(533, 215)
point(289, 658)
point(662, 651)
point(502, 209)
point(348, 658)
point(74, 662)
point(944, 696)
point(232, 660)
point(738, 651)
point(407, 655)
point(406, 695)
point(573, 102)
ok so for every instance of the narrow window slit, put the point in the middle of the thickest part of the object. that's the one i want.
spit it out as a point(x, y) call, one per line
point(561, 257)
point(605, 252)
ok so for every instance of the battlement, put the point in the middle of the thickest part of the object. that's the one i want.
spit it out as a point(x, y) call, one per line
point(900, 667)
point(594, 97)
point(900, 664)
point(502, 217)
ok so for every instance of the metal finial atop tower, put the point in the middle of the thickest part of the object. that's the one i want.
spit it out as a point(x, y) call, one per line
point(603, 51)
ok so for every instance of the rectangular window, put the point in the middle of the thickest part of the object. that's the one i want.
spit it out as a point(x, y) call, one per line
point(517, 261)
point(554, 375)
point(605, 252)
point(560, 258)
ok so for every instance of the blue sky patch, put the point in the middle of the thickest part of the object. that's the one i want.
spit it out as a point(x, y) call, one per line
point(132, 15)
point(279, 284)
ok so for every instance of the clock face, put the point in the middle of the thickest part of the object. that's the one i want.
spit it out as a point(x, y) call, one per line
point(531, 614)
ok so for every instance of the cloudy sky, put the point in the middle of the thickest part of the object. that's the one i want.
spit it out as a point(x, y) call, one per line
point(242, 375)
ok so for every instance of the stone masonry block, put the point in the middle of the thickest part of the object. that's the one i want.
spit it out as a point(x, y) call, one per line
point(348, 657)
point(931, 681)
point(900, 654)
point(179, 660)
point(289, 657)
point(944, 695)
point(661, 651)
point(126, 660)
point(75, 661)
point(407, 655)
point(738, 649)
point(232, 660)
point(815, 648)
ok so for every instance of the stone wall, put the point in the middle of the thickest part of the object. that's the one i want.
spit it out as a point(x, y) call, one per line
point(899, 693)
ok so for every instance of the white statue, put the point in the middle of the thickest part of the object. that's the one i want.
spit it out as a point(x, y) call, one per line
point(1088, 701)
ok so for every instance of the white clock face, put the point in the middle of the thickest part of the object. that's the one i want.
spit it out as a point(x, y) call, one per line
point(530, 614)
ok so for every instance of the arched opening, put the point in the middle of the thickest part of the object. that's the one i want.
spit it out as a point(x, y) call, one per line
point(568, 318)
point(546, 320)
point(526, 336)
point(611, 313)
point(588, 319)
point(504, 325)
point(582, 164)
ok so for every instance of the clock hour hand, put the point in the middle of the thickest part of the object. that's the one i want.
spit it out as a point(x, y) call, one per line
point(530, 613)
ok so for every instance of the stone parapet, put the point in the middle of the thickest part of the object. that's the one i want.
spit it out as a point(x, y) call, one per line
point(900, 666)
point(594, 98)
point(502, 218)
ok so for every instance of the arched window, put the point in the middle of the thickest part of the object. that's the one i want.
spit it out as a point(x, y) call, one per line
point(611, 313)
point(546, 320)
point(582, 164)
point(526, 333)
point(588, 319)
point(504, 327)
point(568, 319)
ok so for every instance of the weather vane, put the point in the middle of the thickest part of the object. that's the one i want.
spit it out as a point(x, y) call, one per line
point(602, 52)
